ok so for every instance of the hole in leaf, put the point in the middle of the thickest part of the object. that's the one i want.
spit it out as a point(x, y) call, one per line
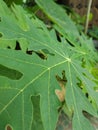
point(90, 117)
point(62, 82)
point(70, 43)
point(63, 78)
point(58, 36)
point(63, 121)
point(8, 127)
point(1, 35)
point(8, 47)
point(42, 55)
point(37, 118)
point(29, 52)
point(10, 73)
point(47, 52)
point(17, 46)
point(86, 94)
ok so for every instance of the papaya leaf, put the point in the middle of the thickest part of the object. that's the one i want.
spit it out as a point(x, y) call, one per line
point(62, 21)
point(38, 77)
point(66, 27)
point(19, 92)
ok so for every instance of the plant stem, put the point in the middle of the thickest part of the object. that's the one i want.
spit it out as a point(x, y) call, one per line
point(88, 14)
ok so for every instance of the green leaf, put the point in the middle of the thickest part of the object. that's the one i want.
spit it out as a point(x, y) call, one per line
point(38, 76)
point(18, 101)
point(63, 23)
point(67, 28)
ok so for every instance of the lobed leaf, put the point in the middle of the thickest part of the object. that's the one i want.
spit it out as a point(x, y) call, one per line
point(38, 77)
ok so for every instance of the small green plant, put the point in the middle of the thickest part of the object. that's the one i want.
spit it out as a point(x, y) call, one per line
point(36, 62)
